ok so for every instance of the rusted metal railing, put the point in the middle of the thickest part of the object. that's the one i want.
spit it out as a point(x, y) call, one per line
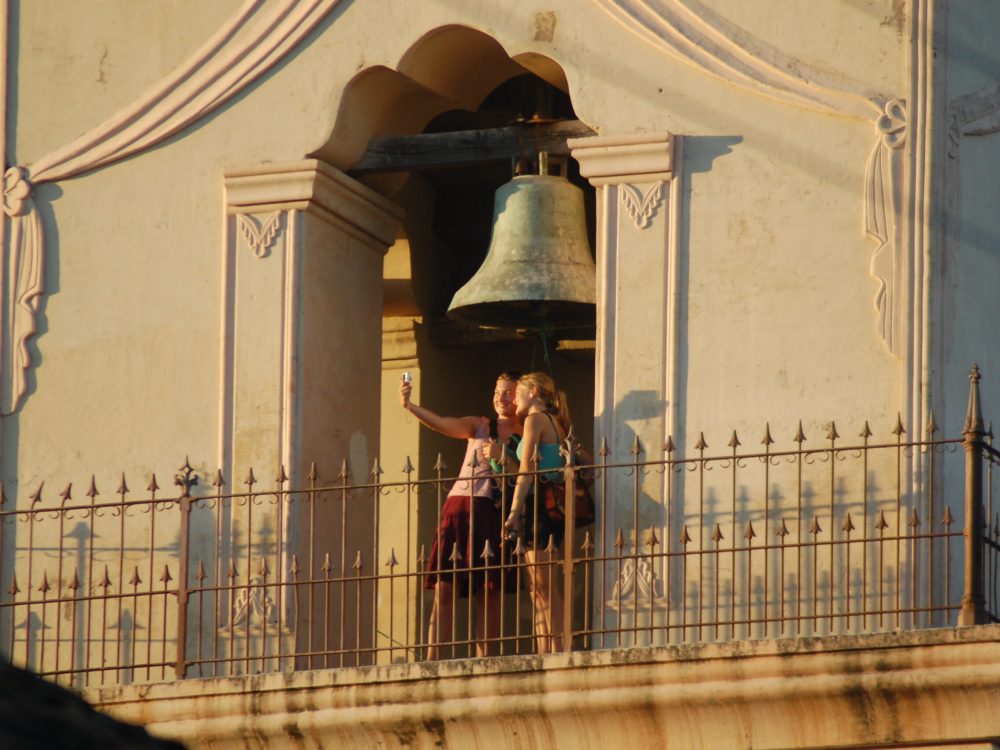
point(845, 536)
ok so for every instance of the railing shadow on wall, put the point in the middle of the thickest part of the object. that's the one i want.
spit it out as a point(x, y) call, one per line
point(844, 536)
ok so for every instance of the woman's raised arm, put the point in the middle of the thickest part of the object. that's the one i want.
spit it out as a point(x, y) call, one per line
point(456, 427)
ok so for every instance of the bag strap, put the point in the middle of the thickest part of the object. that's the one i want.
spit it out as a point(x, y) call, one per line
point(512, 441)
point(553, 423)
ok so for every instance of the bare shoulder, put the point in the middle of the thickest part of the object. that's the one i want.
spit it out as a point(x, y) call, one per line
point(536, 420)
point(539, 424)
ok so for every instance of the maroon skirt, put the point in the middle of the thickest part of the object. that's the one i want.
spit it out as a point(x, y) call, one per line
point(453, 533)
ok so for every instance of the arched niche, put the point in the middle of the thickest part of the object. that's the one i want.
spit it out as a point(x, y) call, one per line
point(452, 80)
point(452, 67)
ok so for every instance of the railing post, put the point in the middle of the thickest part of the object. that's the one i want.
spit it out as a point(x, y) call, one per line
point(569, 479)
point(185, 481)
point(973, 608)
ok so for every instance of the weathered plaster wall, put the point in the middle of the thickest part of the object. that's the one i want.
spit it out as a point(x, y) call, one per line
point(776, 319)
point(74, 66)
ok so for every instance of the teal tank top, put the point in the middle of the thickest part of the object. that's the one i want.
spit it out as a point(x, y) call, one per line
point(549, 456)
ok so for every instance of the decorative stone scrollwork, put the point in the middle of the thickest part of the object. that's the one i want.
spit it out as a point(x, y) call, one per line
point(892, 123)
point(259, 234)
point(882, 176)
point(16, 192)
point(26, 284)
point(693, 33)
point(641, 207)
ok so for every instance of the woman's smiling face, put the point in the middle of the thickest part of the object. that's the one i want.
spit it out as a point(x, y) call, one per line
point(503, 398)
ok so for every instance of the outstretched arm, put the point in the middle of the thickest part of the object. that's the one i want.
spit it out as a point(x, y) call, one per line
point(456, 427)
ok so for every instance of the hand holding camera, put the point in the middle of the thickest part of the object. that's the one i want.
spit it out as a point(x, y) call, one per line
point(405, 387)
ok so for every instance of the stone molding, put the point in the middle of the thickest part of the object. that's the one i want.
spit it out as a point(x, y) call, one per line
point(612, 160)
point(931, 687)
point(638, 212)
point(621, 160)
point(251, 41)
point(314, 186)
point(399, 344)
point(268, 206)
point(883, 179)
point(920, 201)
point(692, 33)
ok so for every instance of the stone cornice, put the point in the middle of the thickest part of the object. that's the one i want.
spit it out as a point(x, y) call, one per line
point(312, 185)
point(936, 686)
point(647, 157)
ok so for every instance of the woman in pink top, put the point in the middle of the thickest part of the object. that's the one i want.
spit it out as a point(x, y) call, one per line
point(470, 518)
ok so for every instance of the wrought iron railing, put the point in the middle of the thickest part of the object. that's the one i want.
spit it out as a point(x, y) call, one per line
point(824, 537)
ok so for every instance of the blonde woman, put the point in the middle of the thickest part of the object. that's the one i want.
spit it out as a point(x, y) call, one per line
point(544, 413)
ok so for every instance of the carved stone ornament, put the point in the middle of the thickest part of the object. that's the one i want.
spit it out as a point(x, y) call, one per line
point(637, 582)
point(259, 234)
point(253, 603)
point(26, 284)
point(641, 206)
point(16, 192)
point(882, 179)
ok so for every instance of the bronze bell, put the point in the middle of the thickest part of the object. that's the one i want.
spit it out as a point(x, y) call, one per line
point(539, 271)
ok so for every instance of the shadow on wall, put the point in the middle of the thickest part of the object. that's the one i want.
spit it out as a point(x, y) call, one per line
point(699, 154)
point(624, 431)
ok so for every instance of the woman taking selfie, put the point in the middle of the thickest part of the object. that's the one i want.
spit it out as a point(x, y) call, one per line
point(470, 517)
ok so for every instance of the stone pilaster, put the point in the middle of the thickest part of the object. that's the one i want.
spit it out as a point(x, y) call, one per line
point(301, 351)
point(635, 376)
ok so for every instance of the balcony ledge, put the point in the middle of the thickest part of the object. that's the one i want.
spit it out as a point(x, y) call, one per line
point(938, 688)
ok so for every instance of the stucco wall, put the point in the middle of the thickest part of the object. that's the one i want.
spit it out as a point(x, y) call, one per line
point(776, 319)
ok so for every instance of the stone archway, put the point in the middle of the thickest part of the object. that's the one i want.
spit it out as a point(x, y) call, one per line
point(438, 135)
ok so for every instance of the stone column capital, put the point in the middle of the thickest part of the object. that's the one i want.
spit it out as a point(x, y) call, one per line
point(315, 187)
point(617, 159)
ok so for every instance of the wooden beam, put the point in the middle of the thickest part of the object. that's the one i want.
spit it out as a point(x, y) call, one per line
point(405, 153)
